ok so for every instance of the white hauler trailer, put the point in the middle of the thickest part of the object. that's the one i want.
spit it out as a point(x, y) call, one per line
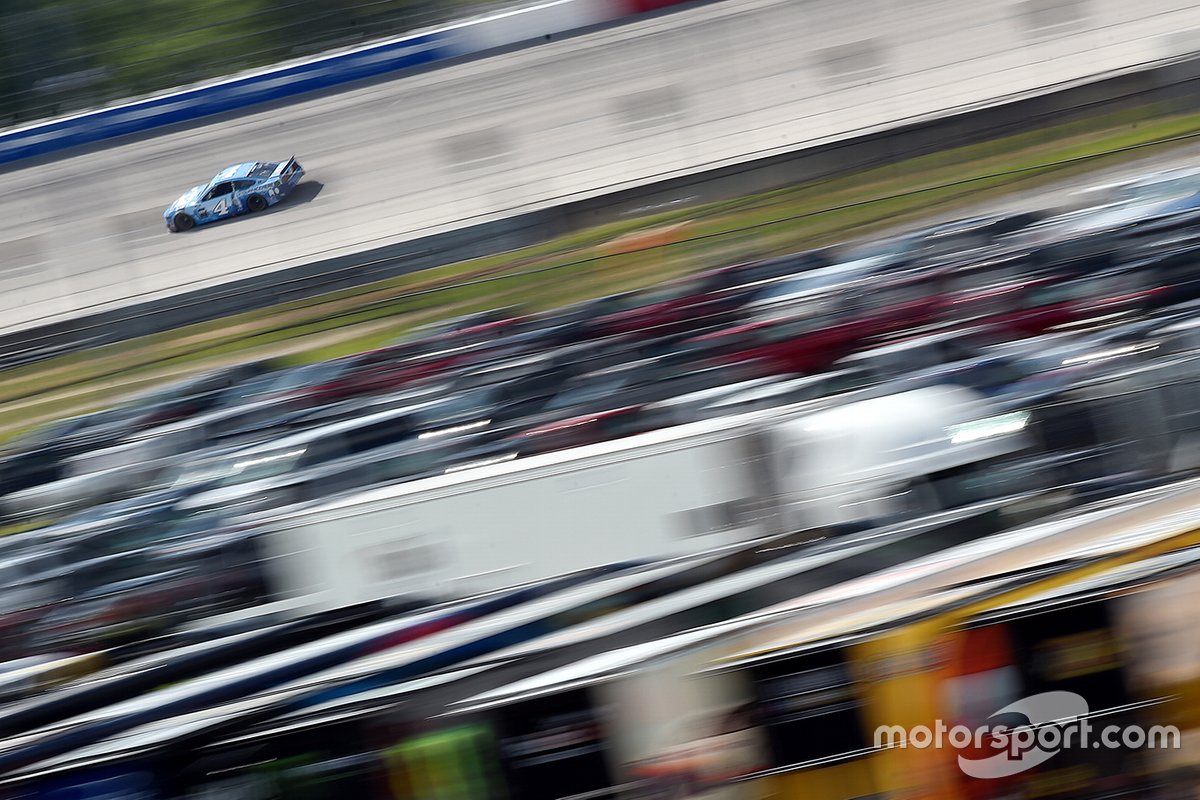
point(672, 492)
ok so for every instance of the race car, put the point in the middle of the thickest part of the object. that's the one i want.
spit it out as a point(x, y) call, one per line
point(242, 188)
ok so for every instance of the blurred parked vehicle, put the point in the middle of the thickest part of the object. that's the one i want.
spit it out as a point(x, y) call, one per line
point(1059, 346)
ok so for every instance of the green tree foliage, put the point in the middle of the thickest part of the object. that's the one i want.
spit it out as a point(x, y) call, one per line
point(58, 56)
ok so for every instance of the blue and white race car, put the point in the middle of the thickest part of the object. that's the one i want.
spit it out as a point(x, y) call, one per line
point(239, 189)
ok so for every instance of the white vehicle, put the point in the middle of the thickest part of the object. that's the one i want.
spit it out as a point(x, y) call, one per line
point(96, 476)
point(90, 478)
point(1181, 338)
point(670, 492)
point(1151, 190)
point(906, 454)
point(1114, 205)
point(807, 292)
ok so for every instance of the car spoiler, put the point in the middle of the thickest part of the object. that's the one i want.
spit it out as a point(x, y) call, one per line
point(285, 168)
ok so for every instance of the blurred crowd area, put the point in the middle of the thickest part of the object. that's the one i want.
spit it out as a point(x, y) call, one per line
point(63, 56)
point(1076, 329)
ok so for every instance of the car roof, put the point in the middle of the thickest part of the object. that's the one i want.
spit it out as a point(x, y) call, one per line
point(235, 171)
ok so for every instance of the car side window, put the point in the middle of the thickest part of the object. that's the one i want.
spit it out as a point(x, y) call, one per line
point(219, 190)
point(623, 424)
point(798, 327)
point(845, 380)
point(323, 450)
point(368, 437)
point(242, 186)
point(1049, 294)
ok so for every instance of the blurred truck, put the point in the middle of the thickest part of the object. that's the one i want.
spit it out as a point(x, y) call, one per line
point(682, 490)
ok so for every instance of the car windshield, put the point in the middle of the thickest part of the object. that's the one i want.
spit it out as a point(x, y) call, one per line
point(589, 392)
point(97, 513)
point(473, 401)
point(1181, 186)
point(190, 526)
point(885, 249)
point(273, 383)
point(48, 433)
point(255, 387)
point(289, 380)
point(202, 471)
point(248, 467)
point(243, 465)
point(985, 480)
point(812, 282)
point(664, 293)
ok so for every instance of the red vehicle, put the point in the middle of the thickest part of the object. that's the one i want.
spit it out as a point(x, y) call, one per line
point(382, 371)
point(812, 342)
point(661, 309)
point(848, 320)
point(389, 369)
point(398, 365)
point(1040, 305)
point(486, 328)
point(694, 301)
point(472, 327)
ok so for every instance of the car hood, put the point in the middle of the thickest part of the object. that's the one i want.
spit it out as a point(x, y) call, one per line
point(187, 198)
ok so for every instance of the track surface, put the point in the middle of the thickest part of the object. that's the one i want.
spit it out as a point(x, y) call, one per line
point(388, 162)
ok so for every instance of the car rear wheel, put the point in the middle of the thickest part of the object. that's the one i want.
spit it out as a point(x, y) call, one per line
point(256, 202)
point(184, 223)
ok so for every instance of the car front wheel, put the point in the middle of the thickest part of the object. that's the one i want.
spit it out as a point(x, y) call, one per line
point(256, 202)
point(183, 222)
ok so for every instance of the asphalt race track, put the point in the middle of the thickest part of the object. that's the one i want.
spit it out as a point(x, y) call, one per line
point(716, 84)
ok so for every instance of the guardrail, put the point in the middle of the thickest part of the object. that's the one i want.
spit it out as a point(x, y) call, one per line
point(504, 29)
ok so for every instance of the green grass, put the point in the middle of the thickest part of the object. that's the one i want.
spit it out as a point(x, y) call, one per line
point(582, 264)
